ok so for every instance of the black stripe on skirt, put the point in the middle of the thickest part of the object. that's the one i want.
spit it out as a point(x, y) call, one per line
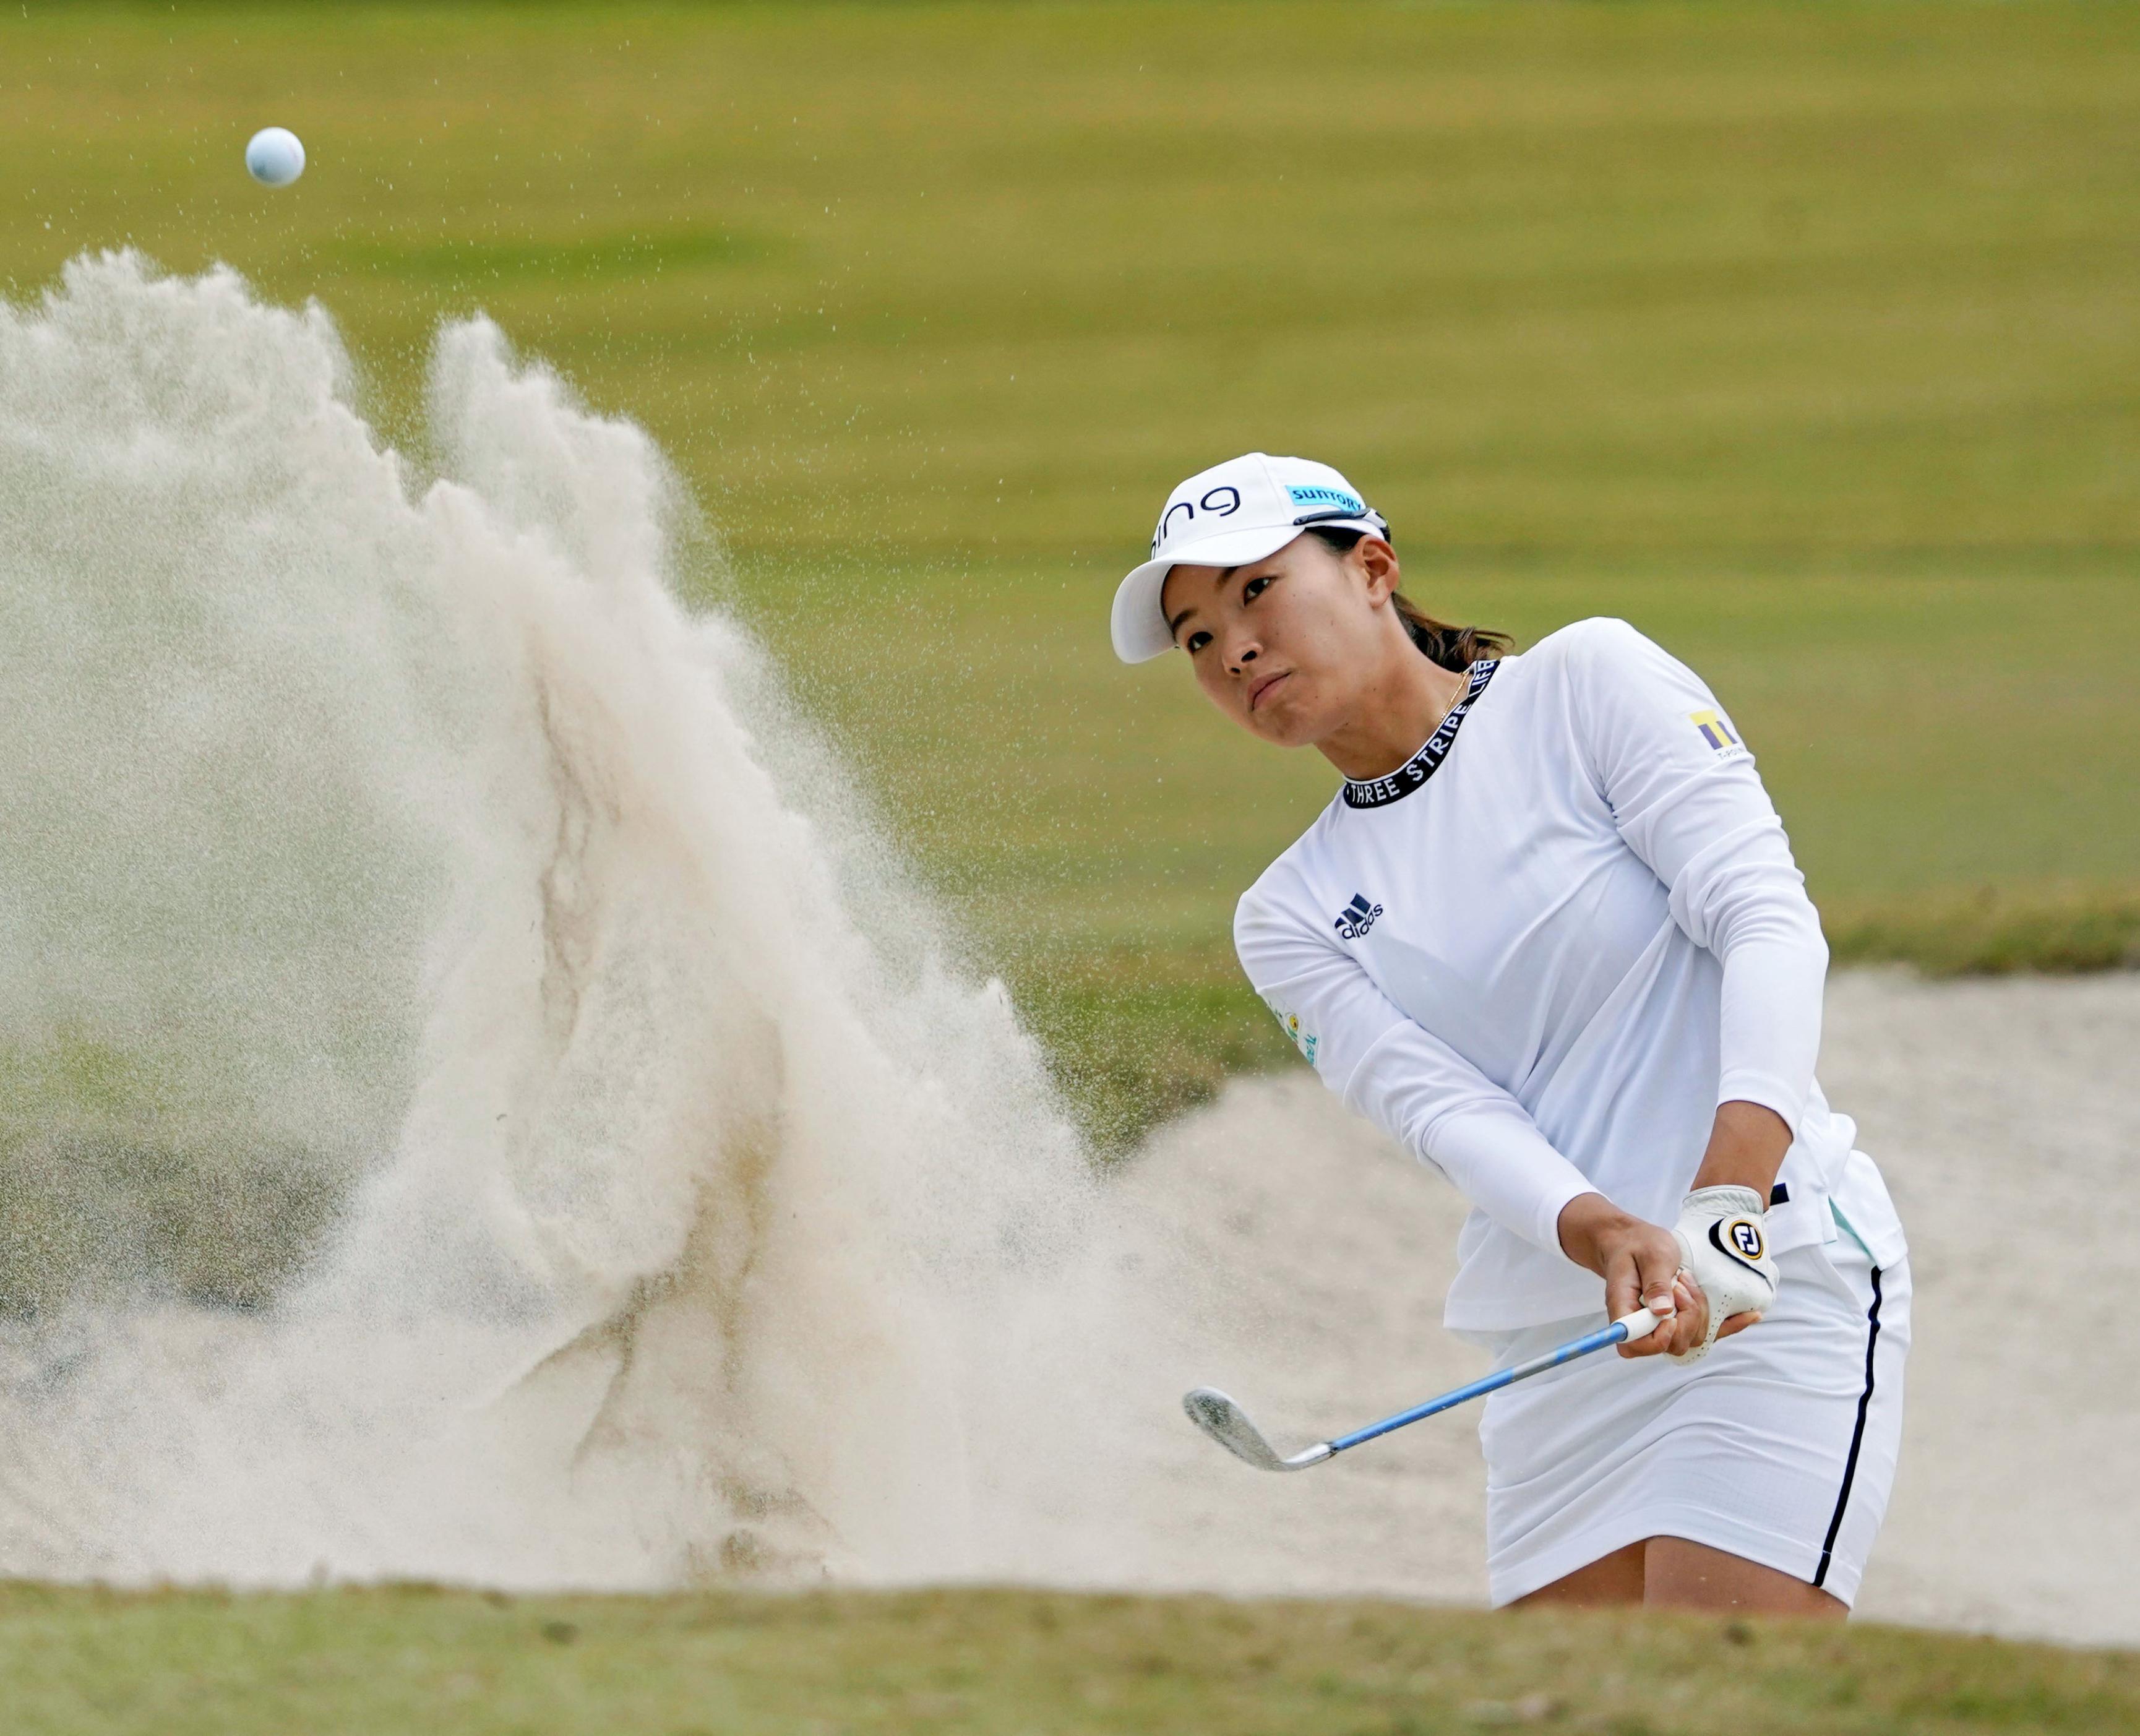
point(1857, 1434)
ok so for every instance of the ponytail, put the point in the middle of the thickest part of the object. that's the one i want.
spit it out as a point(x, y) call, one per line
point(1453, 647)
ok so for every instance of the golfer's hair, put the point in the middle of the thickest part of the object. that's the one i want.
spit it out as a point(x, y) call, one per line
point(1454, 648)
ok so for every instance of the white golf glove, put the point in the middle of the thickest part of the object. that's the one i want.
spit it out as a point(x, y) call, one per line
point(1723, 1244)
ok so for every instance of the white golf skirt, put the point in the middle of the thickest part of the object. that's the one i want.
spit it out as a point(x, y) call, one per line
point(1779, 1446)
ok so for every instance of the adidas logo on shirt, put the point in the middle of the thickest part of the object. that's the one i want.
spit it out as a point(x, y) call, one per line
point(1356, 917)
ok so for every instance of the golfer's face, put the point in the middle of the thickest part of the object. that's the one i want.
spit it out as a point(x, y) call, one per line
point(1274, 644)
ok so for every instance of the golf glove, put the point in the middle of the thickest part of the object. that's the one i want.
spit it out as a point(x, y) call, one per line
point(1722, 1242)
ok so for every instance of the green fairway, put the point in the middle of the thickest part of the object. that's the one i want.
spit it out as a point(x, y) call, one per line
point(1102, 864)
point(84, 1663)
point(1806, 337)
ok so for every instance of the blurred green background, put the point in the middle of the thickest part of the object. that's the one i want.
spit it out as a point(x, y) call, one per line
point(1806, 337)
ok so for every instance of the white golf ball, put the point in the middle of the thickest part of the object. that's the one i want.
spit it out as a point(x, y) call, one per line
point(274, 156)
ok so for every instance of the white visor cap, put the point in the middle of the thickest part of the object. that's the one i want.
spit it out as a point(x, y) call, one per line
point(1227, 516)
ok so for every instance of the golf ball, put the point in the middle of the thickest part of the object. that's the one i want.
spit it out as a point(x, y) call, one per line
point(274, 156)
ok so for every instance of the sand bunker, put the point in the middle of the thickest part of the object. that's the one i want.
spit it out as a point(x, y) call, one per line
point(2005, 1114)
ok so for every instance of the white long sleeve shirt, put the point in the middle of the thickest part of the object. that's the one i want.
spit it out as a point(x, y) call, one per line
point(1541, 954)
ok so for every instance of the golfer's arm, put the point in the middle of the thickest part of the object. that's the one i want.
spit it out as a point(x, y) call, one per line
point(1746, 1148)
point(1386, 1067)
point(1705, 827)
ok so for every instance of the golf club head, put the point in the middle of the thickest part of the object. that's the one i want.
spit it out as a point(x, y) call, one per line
point(1227, 1423)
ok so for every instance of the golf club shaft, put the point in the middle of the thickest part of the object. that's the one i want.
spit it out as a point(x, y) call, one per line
point(1603, 1339)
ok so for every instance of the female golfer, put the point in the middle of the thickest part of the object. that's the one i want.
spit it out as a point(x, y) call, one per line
point(1550, 937)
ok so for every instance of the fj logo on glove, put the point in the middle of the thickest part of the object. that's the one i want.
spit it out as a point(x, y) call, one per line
point(1740, 1236)
point(1724, 1246)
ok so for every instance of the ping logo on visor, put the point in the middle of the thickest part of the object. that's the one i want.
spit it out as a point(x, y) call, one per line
point(1222, 501)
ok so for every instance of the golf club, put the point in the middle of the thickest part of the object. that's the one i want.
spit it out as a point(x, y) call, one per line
point(1227, 1423)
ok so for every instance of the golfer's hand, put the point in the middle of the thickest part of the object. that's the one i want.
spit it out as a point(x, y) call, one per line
point(1640, 1263)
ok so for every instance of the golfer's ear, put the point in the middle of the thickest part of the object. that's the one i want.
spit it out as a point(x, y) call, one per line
point(1378, 561)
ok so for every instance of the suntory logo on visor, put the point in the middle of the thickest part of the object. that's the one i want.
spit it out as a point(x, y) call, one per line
point(1307, 496)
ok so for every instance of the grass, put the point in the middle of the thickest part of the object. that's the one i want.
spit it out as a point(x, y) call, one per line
point(1806, 337)
point(1102, 874)
point(1989, 933)
point(88, 1662)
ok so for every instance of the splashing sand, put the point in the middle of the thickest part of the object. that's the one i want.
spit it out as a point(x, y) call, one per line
point(656, 1203)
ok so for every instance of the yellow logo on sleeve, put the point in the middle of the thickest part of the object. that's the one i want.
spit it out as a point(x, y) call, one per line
point(1716, 731)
